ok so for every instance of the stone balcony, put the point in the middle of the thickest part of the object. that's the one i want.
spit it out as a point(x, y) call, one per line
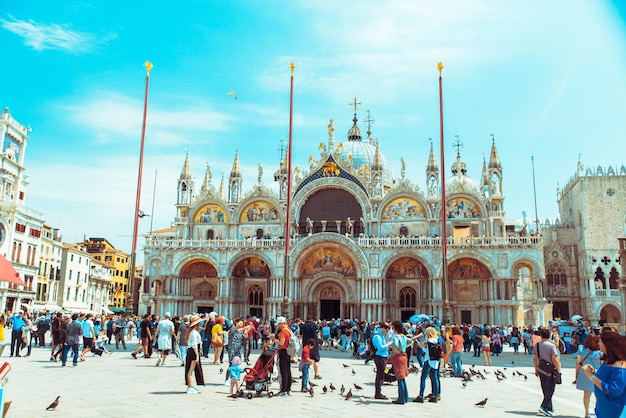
point(363, 242)
point(610, 293)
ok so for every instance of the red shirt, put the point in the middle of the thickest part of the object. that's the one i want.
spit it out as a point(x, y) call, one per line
point(284, 334)
point(306, 353)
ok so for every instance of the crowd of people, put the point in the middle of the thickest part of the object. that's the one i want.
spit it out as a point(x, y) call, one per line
point(391, 346)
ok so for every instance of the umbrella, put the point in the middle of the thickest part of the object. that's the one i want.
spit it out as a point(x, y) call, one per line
point(8, 272)
point(414, 319)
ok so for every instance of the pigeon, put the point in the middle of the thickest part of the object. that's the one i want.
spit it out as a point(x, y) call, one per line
point(324, 389)
point(232, 93)
point(345, 365)
point(499, 378)
point(311, 392)
point(332, 387)
point(519, 373)
point(486, 372)
point(342, 390)
point(464, 384)
point(357, 387)
point(234, 395)
point(54, 404)
point(312, 384)
point(221, 370)
point(481, 403)
point(525, 377)
point(349, 395)
point(353, 372)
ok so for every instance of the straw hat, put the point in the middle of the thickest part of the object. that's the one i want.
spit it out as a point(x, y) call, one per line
point(194, 320)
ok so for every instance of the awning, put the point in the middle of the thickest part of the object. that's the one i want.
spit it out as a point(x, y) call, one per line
point(107, 311)
point(8, 272)
point(118, 310)
point(47, 307)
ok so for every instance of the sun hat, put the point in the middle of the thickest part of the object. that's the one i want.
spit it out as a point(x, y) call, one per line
point(194, 320)
point(280, 320)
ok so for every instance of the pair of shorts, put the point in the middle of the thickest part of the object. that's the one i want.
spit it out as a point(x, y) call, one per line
point(87, 342)
point(144, 341)
point(487, 349)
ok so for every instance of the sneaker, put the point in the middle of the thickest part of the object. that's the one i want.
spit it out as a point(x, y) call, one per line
point(281, 394)
point(162, 364)
point(134, 355)
point(158, 362)
point(419, 399)
point(545, 412)
point(192, 390)
point(433, 400)
point(381, 396)
point(317, 377)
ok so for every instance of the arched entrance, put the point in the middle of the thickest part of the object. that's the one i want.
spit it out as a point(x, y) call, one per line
point(470, 283)
point(329, 209)
point(330, 297)
point(610, 314)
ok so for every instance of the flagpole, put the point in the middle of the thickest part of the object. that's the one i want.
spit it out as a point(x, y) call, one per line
point(131, 281)
point(285, 304)
point(532, 160)
point(444, 229)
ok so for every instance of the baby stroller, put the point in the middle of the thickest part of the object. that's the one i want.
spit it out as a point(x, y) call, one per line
point(258, 378)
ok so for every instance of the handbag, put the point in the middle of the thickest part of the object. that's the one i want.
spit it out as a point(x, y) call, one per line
point(217, 340)
point(400, 365)
point(545, 367)
point(557, 377)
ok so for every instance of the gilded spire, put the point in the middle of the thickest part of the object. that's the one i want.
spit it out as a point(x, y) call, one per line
point(432, 161)
point(494, 159)
point(186, 173)
point(485, 175)
point(206, 184)
point(222, 189)
point(236, 171)
point(378, 161)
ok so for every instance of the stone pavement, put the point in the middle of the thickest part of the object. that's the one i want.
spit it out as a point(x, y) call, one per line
point(119, 386)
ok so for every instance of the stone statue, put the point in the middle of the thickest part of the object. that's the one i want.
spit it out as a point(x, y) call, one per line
point(260, 178)
point(349, 226)
point(309, 225)
point(403, 167)
point(331, 129)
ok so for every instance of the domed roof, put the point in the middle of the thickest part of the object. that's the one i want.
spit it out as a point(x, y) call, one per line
point(459, 181)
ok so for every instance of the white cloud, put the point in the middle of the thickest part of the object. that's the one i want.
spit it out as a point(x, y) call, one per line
point(41, 36)
point(112, 117)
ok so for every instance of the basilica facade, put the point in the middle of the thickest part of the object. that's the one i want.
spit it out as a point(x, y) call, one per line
point(365, 243)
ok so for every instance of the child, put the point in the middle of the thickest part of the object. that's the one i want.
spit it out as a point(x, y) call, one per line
point(306, 362)
point(234, 372)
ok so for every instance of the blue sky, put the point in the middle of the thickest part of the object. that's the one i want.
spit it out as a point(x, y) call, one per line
point(546, 78)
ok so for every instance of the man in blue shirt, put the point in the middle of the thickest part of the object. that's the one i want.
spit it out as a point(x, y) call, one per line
point(16, 335)
point(380, 358)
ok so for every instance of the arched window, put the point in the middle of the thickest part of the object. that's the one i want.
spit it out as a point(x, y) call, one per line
point(210, 234)
point(408, 298)
point(204, 291)
point(598, 281)
point(556, 275)
point(613, 276)
point(255, 296)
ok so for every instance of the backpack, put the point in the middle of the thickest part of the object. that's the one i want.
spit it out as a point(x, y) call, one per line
point(371, 348)
point(294, 345)
point(434, 351)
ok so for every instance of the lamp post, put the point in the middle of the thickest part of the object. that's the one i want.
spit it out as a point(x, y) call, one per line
point(131, 287)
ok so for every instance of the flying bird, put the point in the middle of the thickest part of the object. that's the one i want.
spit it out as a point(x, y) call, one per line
point(357, 387)
point(324, 389)
point(481, 403)
point(54, 404)
point(349, 395)
point(232, 93)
